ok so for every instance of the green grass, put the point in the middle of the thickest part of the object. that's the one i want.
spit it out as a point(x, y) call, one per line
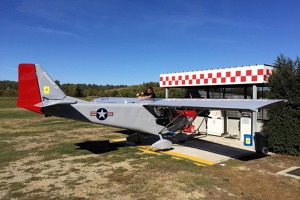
point(8, 102)
point(8, 153)
point(9, 110)
point(20, 133)
point(58, 151)
point(17, 114)
point(14, 189)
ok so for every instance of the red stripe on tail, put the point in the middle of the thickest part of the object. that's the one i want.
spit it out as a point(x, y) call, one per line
point(28, 88)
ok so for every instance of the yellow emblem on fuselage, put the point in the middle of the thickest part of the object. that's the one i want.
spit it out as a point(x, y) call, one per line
point(46, 90)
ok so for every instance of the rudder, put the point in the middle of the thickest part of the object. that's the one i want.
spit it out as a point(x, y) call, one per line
point(34, 86)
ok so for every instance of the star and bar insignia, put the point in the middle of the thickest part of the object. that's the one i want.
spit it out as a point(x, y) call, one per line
point(101, 113)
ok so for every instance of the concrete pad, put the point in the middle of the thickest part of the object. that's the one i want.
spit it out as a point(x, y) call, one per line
point(287, 172)
point(204, 150)
point(214, 149)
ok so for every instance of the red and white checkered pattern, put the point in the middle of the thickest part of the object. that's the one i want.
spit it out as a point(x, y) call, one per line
point(256, 74)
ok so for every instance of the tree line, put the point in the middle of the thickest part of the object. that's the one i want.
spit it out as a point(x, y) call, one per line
point(10, 89)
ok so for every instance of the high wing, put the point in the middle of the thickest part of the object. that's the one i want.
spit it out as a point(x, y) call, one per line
point(249, 105)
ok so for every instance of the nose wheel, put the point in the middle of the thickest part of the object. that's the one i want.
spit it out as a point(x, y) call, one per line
point(162, 144)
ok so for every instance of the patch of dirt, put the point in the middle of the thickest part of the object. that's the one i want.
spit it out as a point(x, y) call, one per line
point(85, 179)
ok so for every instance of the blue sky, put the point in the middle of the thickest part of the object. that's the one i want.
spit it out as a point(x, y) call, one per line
point(133, 41)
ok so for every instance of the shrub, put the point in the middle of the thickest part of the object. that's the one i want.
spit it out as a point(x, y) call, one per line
point(284, 124)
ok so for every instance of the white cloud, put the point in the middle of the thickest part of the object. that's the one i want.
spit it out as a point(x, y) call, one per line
point(60, 12)
point(11, 68)
point(54, 31)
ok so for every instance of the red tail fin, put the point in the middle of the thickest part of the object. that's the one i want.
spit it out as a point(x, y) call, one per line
point(28, 88)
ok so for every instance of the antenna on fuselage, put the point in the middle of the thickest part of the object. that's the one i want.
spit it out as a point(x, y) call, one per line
point(122, 96)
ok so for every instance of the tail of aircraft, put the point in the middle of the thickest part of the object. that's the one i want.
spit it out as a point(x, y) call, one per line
point(35, 86)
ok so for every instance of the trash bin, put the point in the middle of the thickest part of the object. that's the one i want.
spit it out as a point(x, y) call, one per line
point(261, 142)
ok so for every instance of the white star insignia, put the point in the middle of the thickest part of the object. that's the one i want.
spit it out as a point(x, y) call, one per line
point(102, 114)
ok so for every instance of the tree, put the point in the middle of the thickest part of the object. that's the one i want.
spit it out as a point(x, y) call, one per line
point(284, 124)
point(77, 91)
point(57, 83)
point(8, 88)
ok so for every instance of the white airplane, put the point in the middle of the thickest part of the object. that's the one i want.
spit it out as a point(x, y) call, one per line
point(39, 93)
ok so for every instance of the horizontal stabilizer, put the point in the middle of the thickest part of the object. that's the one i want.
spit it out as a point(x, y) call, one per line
point(47, 103)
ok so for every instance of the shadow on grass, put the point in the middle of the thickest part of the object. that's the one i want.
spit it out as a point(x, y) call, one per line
point(253, 156)
point(99, 147)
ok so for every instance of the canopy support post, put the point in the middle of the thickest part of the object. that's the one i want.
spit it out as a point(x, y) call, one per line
point(254, 116)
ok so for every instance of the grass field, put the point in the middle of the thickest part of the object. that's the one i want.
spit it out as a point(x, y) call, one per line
point(55, 158)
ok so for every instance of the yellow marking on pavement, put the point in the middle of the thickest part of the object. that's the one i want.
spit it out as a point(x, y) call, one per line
point(149, 151)
point(176, 158)
point(175, 155)
point(199, 160)
point(118, 140)
point(198, 164)
point(149, 148)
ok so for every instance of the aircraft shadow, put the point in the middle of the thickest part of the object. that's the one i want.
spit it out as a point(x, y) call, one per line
point(99, 147)
point(233, 152)
point(146, 139)
point(126, 132)
point(225, 150)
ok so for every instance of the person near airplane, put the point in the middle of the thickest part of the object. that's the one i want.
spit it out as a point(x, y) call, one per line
point(147, 94)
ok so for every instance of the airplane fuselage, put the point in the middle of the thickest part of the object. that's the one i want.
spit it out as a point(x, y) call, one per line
point(128, 115)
